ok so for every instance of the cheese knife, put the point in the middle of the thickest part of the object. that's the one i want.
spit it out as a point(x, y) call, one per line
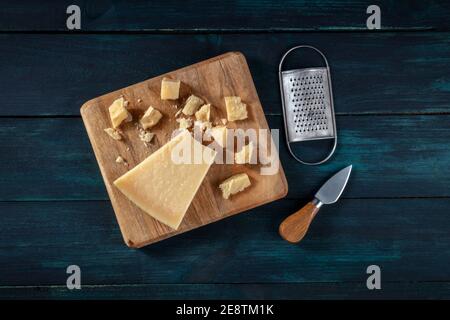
point(294, 227)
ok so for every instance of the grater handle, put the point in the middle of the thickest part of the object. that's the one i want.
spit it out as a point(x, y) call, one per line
point(312, 163)
point(280, 67)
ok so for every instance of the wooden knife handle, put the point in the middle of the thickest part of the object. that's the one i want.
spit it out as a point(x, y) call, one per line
point(294, 227)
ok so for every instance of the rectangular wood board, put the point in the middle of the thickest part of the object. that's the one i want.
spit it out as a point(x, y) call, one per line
point(212, 79)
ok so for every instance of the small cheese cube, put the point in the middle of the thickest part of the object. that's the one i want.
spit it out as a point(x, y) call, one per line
point(185, 123)
point(170, 89)
point(150, 118)
point(236, 109)
point(219, 133)
point(245, 155)
point(192, 104)
point(203, 113)
point(118, 113)
point(234, 184)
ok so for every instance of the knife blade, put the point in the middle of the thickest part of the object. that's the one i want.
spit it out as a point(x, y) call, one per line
point(333, 188)
point(294, 227)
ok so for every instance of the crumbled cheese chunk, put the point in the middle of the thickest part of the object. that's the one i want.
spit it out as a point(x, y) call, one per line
point(236, 109)
point(113, 133)
point(203, 113)
point(150, 118)
point(170, 89)
point(120, 159)
point(234, 184)
point(185, 123)
point(118, 113)
point(192, 104)
point(224, 121)
point(245, 155)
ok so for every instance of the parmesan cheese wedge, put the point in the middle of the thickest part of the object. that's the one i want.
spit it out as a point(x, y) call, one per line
point(163, 187)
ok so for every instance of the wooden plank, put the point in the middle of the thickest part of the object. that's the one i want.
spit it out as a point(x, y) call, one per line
point(371, 72)
point(206, 15)
point(231, 78)
point(407, 238)
point(392, 156)
point(285, 291)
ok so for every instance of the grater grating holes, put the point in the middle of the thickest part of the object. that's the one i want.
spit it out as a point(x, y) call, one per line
point(308, 99)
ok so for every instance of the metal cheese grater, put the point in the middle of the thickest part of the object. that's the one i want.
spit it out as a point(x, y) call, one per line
point(307, 101)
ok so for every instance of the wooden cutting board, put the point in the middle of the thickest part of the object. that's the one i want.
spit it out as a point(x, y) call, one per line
point(225, 75)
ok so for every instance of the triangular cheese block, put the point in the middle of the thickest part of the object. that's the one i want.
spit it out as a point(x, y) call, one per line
point(164, 184)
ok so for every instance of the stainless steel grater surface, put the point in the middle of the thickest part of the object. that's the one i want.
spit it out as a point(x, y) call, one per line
point(307, 101)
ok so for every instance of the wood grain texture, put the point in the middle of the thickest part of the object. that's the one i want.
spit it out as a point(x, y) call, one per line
point(371, 73)
point(280, 291)
point(409, 246)
point(46, 157)
point(202, 15)
point(392, 156)
point(212, 80)
point(294, 228)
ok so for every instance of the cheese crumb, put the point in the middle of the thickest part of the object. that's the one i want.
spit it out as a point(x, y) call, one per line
point(224, 121)
point(113, 133)
point(234, 184)
point(192, 104)
point(170, 89)
point(150, 118)
point(121, 160)
point(236, 109)
point(203, 113)
point(203, 125)
point(118, 113)
point(245, 155)
point(185, 123)
point(146, 136)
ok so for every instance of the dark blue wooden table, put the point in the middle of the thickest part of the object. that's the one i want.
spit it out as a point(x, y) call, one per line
point(392, 98)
